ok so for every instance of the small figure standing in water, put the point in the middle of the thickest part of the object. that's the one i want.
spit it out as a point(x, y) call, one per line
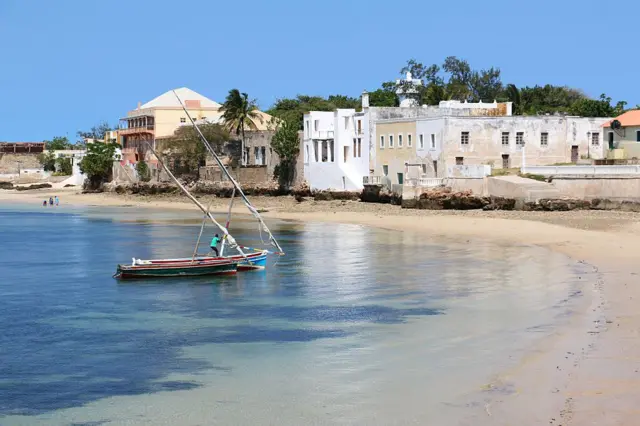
point(50, 201)
point(44, 203)
point(214, 244)
point(57, 201)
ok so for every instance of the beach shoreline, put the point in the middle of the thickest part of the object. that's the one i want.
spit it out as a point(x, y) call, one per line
point(586, 374)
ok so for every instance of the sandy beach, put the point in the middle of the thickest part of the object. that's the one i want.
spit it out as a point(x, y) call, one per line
point(588, 373)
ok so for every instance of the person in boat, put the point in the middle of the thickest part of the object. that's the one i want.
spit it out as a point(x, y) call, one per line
point(214, 245)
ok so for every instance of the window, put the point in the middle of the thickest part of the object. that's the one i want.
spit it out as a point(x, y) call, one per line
point(595, 138)
point(459, 161)
point(400, 178)
point(464, 138)
point(346, 153)
point(263, 154)
point(331, 150)
point(421, 141)
point(359, 127)
point(183, 120)
point(346, 123)
point(325, 151)
point(306, 128)
point(354, 148)
point(505, 138)
point(400, 141)
point(381, 141)
point(385, 170)
point(306, 154)
point(424, 169)
point(433, 140)
point(315, 150)
point(544, 139)
point(520, 138)
point(637, 135)
point(359, 148)
point(409, 141)
point(256, 156)
point(390, 141)
point(315, 125)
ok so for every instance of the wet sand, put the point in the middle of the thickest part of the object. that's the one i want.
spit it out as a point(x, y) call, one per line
point(588, 373)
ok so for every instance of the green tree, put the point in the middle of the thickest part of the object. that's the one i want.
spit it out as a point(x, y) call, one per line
point(286, 143)
point(48, 161)
point(97, 132)
point(64, 166)
point(143, 171)
point(289, 109)
point(597, 108)
point(238, 113)
point(58, 143)
point(548, 99)
point(97, 164)
point(186, 150)
point(383, 98)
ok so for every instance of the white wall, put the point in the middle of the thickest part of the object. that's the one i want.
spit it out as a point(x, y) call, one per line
point(339, 127)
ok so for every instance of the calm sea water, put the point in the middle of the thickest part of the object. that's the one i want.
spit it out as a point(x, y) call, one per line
point(353, 326)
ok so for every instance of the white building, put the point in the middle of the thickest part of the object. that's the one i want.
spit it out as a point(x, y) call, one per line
point(336, 149)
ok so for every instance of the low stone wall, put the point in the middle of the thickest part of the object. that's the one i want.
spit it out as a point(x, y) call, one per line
point(609, 187)
point(250, 175)
point(12, 163)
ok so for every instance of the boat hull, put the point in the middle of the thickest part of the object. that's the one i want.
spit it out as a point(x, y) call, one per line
point(194, 269)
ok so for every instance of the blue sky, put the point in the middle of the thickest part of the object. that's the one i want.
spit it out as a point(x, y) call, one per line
point(68, 64)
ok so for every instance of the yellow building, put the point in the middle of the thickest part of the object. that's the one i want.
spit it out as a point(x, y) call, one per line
point(395, 146)
point(161, 117)
point(623, 137)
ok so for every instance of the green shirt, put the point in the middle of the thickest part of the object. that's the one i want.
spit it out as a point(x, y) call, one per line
point(215, 241)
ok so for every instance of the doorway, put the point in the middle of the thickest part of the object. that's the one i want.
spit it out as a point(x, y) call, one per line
point(435, 168)
point(574, 154)
point(611, 140)
point(506, 162)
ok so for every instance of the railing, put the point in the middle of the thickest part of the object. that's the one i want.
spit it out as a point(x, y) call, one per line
point(130, 130)
point(322, 134)
point(372, 180)
point(582, 170)
point(425, 182)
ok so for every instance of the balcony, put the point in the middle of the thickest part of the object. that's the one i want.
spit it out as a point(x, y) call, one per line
point(149, 128)
point(322, 134)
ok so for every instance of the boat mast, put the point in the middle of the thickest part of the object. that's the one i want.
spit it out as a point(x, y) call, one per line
point(227, 235)
point(226, 172)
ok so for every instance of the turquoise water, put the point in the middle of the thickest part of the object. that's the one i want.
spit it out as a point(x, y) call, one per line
point(353, 326)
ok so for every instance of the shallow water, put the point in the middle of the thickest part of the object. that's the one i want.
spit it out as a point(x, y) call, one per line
point(353, 326)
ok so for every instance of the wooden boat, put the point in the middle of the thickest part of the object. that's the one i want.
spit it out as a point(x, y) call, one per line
point(252, 259)
point(178, 268)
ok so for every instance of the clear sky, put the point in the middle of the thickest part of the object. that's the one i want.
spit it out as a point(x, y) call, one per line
point(68, 64)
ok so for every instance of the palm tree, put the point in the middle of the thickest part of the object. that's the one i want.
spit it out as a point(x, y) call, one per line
point(238, 113)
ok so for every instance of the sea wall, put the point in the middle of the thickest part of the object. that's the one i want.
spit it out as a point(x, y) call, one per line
point(610, 187)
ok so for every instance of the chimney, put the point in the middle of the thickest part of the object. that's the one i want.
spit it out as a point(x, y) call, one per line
point(365, 99)
point(139, 104)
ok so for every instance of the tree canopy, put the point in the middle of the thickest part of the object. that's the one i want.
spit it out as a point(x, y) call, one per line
point(97, 132)
point(186, 150)
point(286, 143)
point(58, 143)
point(454, 79)
point(97, 164)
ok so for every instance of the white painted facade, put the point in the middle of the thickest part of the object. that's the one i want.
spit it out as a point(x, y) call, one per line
point(336, 149)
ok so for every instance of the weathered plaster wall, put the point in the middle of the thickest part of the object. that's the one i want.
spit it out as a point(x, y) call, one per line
point(486, 146)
